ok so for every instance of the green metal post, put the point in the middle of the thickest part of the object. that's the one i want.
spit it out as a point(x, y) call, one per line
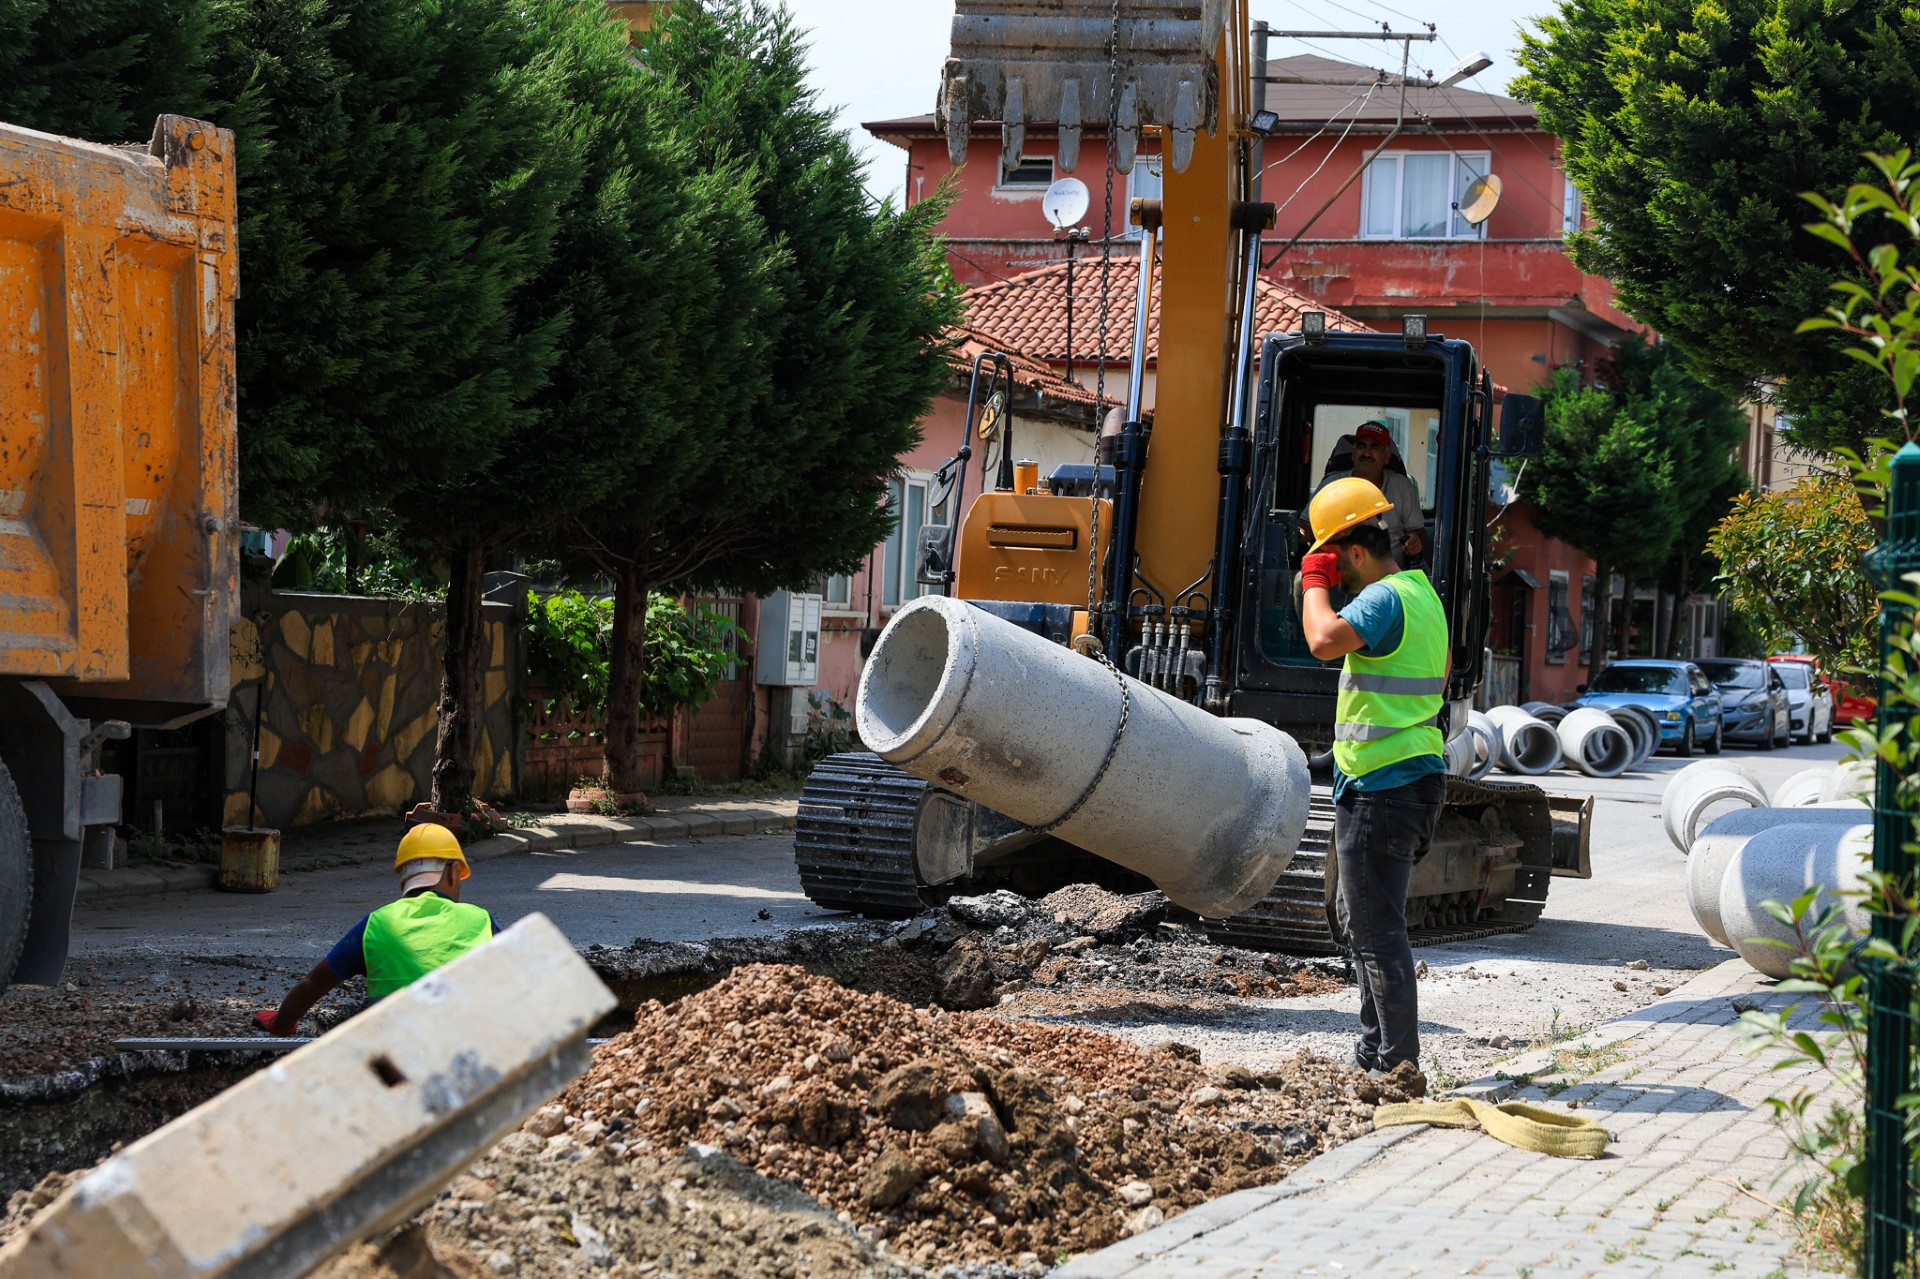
point(1892, 1219)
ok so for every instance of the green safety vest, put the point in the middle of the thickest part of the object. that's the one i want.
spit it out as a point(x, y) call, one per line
point(1389, 707)
point(411, 937)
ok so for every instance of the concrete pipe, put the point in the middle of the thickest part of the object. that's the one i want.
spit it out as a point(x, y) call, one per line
point(1804, 788)
point(1210, 809)
point(1486, 750)
point(1546, 712)
point(1593, 743)
point(1642, 727)
point(1726, 835)
point(1853, 779)
point(1527, 746)
point(1462, 753)
point(1779, 865)
point(1697, 788)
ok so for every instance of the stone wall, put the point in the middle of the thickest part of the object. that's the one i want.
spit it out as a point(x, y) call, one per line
point(349, 714)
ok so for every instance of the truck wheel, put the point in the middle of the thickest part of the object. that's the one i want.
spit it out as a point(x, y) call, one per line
point(16, 877)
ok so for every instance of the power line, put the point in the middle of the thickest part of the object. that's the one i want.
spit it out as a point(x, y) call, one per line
point(1354, 106)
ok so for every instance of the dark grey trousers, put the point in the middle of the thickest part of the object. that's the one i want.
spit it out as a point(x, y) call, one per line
point(1378, 836)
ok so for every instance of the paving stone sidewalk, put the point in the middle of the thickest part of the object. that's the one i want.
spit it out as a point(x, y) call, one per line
point(1693, 1145)
point(349, 843)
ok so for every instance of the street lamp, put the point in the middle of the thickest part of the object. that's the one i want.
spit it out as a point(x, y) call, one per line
point(1465, 69)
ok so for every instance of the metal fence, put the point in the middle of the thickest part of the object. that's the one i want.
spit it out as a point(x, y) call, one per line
point(1892, 1204)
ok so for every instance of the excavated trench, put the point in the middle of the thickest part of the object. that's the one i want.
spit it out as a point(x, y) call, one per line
point(800, 1099)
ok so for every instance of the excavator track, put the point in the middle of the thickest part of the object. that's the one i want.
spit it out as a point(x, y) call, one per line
point(853, 844)
point(853, 837)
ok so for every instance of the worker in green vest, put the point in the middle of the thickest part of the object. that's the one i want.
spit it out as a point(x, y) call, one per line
point(1389, 778)
point(403, 940)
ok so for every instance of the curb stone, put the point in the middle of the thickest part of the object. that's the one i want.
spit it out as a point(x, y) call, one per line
point(148, 881)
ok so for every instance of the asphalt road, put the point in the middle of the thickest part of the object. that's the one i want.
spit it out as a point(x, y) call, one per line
point(1479, 1002)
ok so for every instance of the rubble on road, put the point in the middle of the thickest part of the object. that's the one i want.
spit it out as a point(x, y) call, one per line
point(937, 1138)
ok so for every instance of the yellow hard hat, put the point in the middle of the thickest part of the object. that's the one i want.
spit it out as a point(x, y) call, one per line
point(430, 839)
point(1341, 505)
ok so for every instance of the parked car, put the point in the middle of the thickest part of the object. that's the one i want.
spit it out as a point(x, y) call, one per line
point(1679, 695)
point(1809, 697)
point(1754, 698)
point(1849, 707)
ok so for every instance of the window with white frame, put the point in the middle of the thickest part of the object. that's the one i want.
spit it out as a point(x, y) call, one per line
point(1571, 209)
point(1411, 195)
point(1029, 173)
point(1560, 631)
point(1142, 184)
point(836, 591)
point(908, 495)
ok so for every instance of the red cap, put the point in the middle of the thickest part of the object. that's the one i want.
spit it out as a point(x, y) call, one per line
point(1373, 433)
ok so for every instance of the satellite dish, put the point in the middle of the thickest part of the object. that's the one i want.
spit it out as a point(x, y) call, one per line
point(1065, 203)
point(1478, 200)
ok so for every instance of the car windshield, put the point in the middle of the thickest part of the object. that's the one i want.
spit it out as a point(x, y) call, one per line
point(1640, 679)
point(1792, 674)
point(1735, 674)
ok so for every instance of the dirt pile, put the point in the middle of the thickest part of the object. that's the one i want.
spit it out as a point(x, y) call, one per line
point(946, 1138)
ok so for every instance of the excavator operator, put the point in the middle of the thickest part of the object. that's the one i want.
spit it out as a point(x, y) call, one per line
point(403, 940)
point(1389, 774)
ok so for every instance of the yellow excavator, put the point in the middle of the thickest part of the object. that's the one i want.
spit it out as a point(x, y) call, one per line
point(1172, 559)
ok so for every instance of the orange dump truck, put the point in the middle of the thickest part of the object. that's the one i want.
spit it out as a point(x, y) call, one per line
point(117, 474)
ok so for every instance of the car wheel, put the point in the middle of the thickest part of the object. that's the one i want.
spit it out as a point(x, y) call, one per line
point(1767, 740)
point(1685, 749)
point(1718, 739)
point(1784, 737)
point(1825, 735)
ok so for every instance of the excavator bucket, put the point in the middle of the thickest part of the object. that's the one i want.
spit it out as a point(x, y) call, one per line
point(1069, 62)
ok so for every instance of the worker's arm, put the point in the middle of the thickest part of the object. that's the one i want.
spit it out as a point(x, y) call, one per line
point(309, 991)
point(1328, 634)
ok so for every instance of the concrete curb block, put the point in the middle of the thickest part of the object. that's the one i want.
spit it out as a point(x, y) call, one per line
point(147, 881)
point(1714, 983)
point(1141, 1254)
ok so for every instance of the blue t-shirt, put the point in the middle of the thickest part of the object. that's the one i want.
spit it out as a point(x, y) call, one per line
point(348, 958)
point(1377, 617)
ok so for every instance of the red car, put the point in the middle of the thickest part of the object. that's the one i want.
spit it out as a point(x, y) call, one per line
point(1849, 707)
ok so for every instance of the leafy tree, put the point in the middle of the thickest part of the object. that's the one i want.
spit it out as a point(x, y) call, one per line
point(1692, 129)
point(1791, 563)
point(103, 69)
point(811, 398)
point(1603, 484)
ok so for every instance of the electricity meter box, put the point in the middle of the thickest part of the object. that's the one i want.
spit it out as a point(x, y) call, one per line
point(788, 652)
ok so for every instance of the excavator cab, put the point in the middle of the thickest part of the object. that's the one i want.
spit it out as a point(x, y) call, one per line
point(1435, 400)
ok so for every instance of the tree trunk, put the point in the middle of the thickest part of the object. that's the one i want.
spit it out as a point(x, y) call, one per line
point(461, 654)
point(626, 672)
point(1682, 570)
point(1602, 608)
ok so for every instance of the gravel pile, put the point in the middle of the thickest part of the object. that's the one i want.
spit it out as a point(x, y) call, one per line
point(933, 1139)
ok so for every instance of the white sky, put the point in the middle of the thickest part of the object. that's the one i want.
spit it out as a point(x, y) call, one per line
point(880, 59)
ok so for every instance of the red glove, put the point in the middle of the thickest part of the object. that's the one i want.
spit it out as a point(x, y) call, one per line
point(264, 1020)
point(1322, 569)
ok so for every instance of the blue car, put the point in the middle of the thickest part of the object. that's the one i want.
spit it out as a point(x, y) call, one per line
point(1680, 697)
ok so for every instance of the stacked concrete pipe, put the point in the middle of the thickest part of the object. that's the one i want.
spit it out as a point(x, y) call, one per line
point(1779, 865)
point(1545, 712)
point(1210, 809)
point(1594, 743)
point(1642, 727)
point(1804, 789)
point(1852, 780)
point(1698, 787)
point(1715, 848)
point(1528, 746)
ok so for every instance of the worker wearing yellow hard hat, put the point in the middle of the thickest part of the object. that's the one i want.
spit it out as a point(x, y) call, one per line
point(1389, 774)
point(403, 940)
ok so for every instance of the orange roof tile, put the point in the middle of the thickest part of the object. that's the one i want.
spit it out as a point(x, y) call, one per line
point(1029, 311)
point(1034, 375)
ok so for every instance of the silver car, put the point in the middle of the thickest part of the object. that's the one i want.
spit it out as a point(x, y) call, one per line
point(1809, 700)
point(1754, 700)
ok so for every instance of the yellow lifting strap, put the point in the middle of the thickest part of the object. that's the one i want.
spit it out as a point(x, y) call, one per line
point(1548, 1132)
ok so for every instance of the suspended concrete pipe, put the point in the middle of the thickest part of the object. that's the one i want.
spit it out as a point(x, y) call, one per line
point(1462, 754)
point(1527, 746)
point(1779, 865)
point(1593, 743)
point(1726, 835)
point(1486, 748)
point(1210, 809)
point(1642, 727)
point(1698, 787)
